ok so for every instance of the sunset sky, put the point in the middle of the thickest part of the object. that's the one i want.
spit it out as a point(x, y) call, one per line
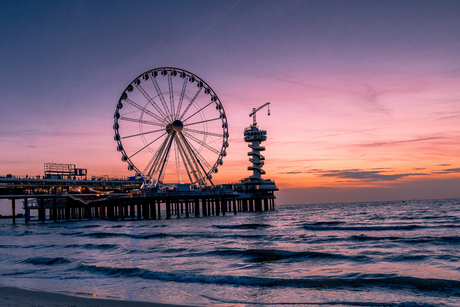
point(365, 95)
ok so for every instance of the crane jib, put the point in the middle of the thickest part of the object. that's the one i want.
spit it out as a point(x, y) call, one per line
point(254, 111)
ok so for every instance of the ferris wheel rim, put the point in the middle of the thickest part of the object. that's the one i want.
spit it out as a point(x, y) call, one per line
point(168, 116)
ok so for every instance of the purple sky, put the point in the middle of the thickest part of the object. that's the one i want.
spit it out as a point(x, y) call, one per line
point(365, 94)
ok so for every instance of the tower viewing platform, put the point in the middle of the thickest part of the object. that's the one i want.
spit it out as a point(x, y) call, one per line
point(255, 136)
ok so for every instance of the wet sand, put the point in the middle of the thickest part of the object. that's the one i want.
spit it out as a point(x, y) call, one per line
point(16, 297)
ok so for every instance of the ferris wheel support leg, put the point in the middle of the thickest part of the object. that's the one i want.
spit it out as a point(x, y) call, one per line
point(165, 158)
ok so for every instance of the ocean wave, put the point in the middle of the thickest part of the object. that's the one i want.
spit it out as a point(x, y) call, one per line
point(361, 228)
point(93, 246)
point(8, 246)
point(174, 250)
point(153, 235)
point(321, 223)
point(327, 303)
point(357, 281)
point(27, 246)
point(26, 233)
point(272, 255)
point(434, 240)
point(46, 261)
point(82, 226)
point(406, 257)
point(100, 235)
point(243, 226)
point(76, 233)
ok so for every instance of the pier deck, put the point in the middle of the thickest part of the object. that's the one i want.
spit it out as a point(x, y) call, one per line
point(57, 199)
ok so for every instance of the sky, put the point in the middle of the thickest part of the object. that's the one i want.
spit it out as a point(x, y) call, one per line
point(365, 95)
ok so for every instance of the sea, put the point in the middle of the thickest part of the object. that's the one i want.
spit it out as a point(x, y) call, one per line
point(397, 253)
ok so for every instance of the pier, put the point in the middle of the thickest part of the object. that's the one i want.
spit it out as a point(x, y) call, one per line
point(57, 199)
point(172, 147)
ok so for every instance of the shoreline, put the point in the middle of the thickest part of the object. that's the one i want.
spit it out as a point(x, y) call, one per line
point(13, 296)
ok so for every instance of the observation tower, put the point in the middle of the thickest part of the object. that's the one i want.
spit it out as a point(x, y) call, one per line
point(254, 188)
point(255, 137)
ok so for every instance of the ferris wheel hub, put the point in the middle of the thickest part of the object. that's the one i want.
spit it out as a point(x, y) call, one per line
point(177, 125)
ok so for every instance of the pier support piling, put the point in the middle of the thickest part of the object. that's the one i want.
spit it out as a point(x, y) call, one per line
point(159, 209)
point(153, 209)
point(54, 209)
point(168, 209)
point(197, 207)
point(13, 208)
point(217, 203)
point(186, 203)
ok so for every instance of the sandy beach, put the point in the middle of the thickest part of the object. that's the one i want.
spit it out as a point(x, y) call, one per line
point(16, 297)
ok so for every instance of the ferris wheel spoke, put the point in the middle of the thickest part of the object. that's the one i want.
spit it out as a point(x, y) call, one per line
point(155, 167)
point(146, 146)
point(134, 104)
point(140, 134)
point(203, 121)
point(177, 157)
point(202, 159)
point(171, 94)
point(181, 98)
point(194, 167)
point(141, 121)
point(197, 160)
point(165, 157)
point(162, 98)
point(197, 111)
point(202, 143)
point(184, 157)
point(151, 166)
point(190, 103)
point(203, 132)
point(150, 100)
point(196, 171)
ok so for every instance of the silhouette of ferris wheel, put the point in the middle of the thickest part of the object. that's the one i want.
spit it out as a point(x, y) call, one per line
point(171, 127)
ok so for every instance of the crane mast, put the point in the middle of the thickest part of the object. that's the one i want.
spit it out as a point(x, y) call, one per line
point(255, 110)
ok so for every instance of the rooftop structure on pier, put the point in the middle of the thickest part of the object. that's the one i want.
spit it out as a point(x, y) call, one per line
point(63, 171)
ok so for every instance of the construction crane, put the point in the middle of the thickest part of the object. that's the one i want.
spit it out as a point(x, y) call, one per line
point(254, 111)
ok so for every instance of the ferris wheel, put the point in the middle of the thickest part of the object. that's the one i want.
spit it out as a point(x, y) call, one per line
point(170, 127)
